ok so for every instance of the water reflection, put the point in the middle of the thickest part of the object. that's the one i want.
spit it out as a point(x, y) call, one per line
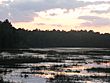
point(57, 65)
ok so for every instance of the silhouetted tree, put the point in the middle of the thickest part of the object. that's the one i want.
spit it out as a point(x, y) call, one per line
point(7, 35)
point(21, 38)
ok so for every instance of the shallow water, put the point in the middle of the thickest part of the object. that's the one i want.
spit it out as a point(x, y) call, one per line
point(62, 65)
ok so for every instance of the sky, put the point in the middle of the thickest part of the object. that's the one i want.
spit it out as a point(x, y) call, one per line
point(57, 14)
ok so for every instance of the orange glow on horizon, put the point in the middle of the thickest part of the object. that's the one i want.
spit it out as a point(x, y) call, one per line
point(63, 19)
point(41, 26)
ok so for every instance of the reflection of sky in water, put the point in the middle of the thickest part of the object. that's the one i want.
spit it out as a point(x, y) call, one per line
point(71, 65)
point(68, 49)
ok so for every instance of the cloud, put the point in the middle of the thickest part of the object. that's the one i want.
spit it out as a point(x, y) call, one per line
point(24, 10)
point(101, 8)
point(89, 18)
point(101, 11)
point(94, 0)
point(95, 21)
point(9, 10)
point(41, 5)
point(3, 12)
point(53, 14)
point(40, 23)
point(57, 25)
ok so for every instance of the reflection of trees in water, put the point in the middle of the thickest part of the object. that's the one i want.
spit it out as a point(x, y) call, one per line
point(78, 79)
point(2, 81)
point(64, 79)
point(4, 72)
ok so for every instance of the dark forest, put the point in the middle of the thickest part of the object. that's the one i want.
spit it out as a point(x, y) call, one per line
point(11, 38)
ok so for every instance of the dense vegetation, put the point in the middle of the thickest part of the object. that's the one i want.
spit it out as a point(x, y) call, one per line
point(11, 37)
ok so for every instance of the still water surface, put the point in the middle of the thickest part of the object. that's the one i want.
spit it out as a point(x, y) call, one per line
point(62, 65)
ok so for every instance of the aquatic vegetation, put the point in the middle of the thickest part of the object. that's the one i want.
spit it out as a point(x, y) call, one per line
point(55, 65)
point(105, 70)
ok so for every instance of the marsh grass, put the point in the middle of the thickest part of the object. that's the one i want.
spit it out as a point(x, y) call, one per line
point(69, 60)
point(103, 70)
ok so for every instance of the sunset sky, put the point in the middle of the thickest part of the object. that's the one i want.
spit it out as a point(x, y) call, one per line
point(57, 14)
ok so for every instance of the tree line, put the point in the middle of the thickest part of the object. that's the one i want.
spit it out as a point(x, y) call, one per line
point(10, 37)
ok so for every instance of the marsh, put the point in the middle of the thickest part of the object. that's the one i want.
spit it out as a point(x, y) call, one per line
point(55, 65)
